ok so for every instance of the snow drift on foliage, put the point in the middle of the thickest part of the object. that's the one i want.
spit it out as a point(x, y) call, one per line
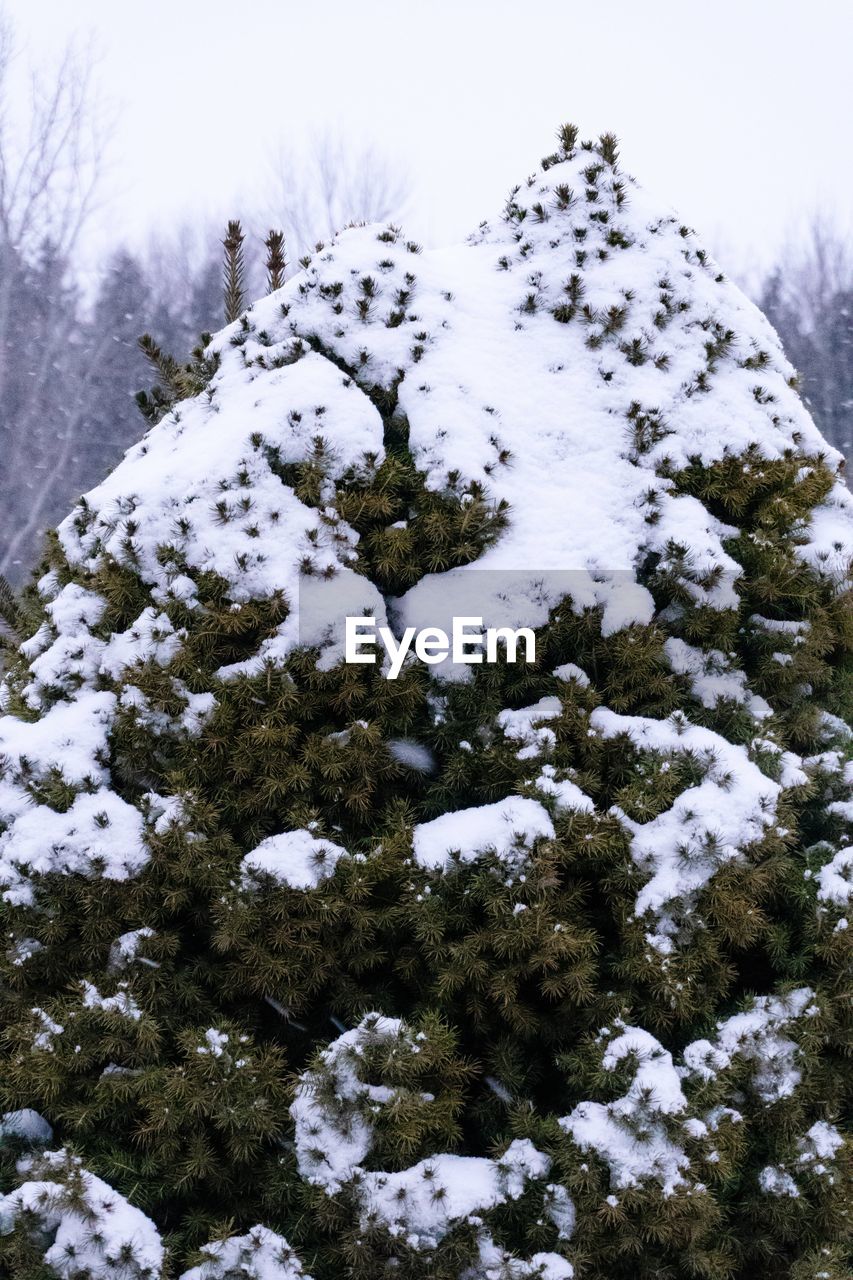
point(570, 361)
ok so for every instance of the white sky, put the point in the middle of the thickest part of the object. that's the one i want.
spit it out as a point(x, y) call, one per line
point(737, 113)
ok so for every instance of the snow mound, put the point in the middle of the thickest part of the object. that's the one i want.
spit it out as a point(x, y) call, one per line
point(296, 858)
point(95, 1231)
point(508, 828)
point(336, 1111)
point(709, 825)
point(630, 1134)
point(261, 1254)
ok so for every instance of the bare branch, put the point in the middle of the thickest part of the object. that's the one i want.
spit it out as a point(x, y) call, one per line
point(51, 151)
point(51, 160)
point(313, 195)
point(815, 268)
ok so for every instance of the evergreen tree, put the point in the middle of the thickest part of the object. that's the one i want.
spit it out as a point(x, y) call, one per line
point(116, 367)
point(533, 968)
point(833, 394)
point(68, 378)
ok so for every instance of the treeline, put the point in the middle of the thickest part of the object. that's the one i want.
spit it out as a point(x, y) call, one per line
point(808, 298)
point(69, 374)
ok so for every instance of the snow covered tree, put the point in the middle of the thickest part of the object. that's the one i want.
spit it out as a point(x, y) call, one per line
point(533, 968)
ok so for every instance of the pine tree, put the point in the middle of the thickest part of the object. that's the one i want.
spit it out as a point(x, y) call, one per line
point(122, 307)
point(533, 968)
point(233, 271)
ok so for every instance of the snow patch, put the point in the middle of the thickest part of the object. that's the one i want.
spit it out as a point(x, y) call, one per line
point(508, 828)
point(296, 858)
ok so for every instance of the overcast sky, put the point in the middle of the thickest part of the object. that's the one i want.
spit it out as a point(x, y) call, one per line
point(737, 112)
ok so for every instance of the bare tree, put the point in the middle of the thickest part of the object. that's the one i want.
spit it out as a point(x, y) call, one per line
point(50, 163)
point(334, 182)
point(184, 270)
point(808, 297)
point(48, 175)
point(816, 266)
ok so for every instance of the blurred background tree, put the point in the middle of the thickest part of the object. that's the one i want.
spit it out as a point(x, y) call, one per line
point(69, 361)
point(808, 298)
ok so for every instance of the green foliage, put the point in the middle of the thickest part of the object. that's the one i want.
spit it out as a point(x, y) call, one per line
point(177, 381)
